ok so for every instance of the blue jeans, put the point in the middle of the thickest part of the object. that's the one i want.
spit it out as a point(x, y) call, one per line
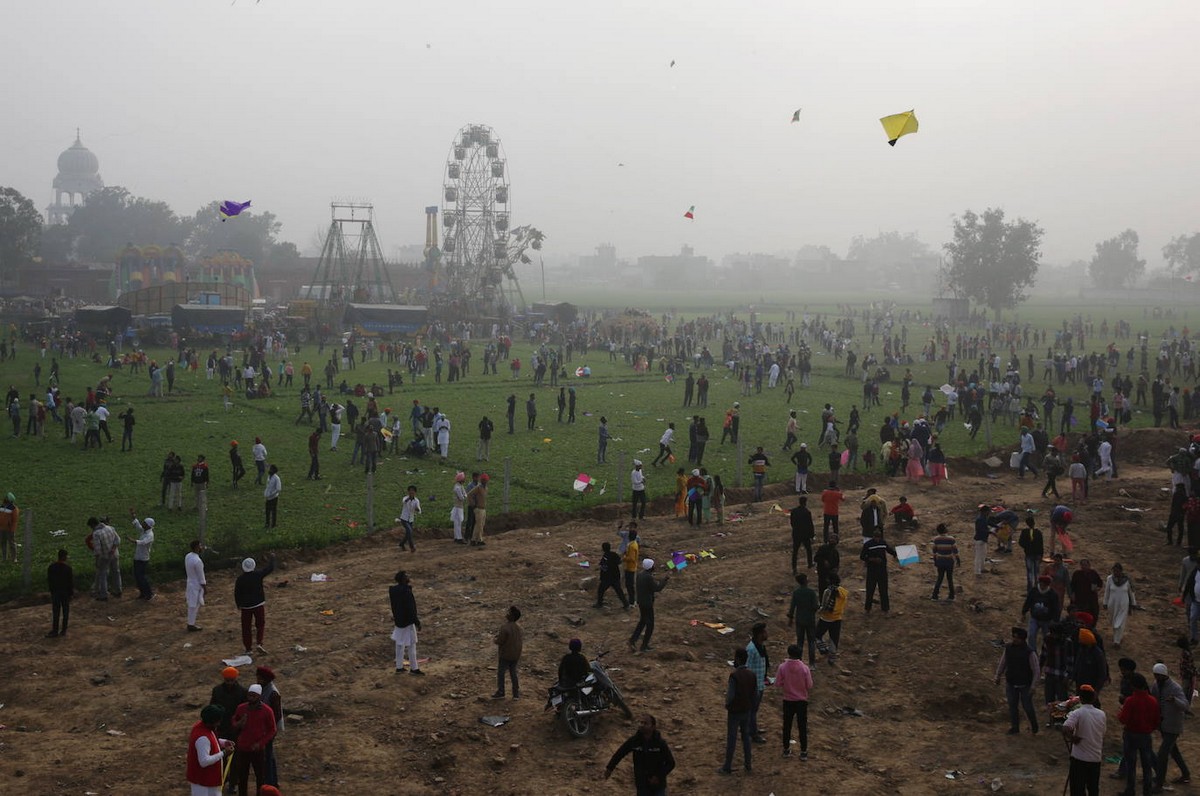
point(754, 730)
point(733, 723)
point(408, 535)
point(1031, 571)
point(1134, 746)
point(759, 478)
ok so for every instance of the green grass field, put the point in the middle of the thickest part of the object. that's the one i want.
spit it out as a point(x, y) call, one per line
point(61, 485)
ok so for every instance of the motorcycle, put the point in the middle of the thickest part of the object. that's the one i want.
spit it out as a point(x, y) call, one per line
point(577, 704)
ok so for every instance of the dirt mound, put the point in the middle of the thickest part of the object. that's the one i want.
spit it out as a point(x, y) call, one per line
point(128, 681)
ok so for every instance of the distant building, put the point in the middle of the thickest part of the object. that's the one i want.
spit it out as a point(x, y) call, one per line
point(676, 270)
point(78, 176)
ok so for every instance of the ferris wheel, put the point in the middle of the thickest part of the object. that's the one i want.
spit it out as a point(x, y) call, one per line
point(475, 217)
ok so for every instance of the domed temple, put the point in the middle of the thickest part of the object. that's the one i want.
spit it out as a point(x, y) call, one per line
point(78, 176)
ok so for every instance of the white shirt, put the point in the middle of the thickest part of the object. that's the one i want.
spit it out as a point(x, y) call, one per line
point(145, 540)
point(638, 478)
point(1087, 721)
point(260, 452)
point(274, 487)
point(194, 566)
point(410, 509)
point(102, 413)
point(667, 436)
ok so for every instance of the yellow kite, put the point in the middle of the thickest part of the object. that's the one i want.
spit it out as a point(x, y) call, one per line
point(899, 124)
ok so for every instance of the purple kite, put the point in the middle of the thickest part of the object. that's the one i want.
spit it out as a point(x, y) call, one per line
point(230, 209)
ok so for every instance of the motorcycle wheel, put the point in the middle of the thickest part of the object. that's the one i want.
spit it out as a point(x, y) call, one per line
point(619, 701)
point(578, 726)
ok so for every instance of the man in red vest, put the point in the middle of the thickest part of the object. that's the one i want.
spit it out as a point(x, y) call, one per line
point(205, 753)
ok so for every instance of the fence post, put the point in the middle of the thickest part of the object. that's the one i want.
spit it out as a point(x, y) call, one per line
point(370, 502)
point(202, 506)
point(507, 480)
point(27, 553)
point(620, 476)
point(740, 458)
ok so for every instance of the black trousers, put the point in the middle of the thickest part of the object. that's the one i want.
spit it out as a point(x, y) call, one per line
point(807, 545)
point(646, 623)
point(615, 585)
point(60, 604)
point(639, 499)
point(272, 512)
point(796, 710)
point(948, 574)
point(877, 579)
point(1085, 778)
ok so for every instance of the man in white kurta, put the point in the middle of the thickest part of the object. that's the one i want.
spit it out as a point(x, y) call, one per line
point(193, 565)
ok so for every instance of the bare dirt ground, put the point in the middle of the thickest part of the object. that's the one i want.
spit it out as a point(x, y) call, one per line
point(920, 676)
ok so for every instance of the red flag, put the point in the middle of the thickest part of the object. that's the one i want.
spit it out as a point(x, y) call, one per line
point(690, 212)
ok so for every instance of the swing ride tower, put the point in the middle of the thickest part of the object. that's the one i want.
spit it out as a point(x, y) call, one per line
point(351, 267)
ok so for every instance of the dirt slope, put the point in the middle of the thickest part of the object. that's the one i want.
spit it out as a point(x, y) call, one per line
point(921, 676)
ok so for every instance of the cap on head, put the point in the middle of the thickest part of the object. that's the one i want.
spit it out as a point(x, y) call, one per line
point(1160, 668)
point(255, 689)
point(647, 563)
point(265, 672)
point(575, 645)
point(230, 673)
point(248, 565)
point(696, 472)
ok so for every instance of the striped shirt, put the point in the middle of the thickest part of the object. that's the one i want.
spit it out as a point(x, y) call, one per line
point(945, 551)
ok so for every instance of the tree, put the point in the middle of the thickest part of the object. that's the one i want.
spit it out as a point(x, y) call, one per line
point(20, 232)
point(1183, 254)
point(1116, 263)
point(991, 261)
point(888, 248)
point(113, 217)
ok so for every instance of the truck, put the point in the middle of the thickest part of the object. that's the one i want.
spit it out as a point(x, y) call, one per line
point(208, 319)
point(390, 321)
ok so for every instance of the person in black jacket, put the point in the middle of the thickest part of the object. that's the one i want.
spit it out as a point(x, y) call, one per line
point(251, 600)
point(61, 581)
point(610, 576)
point(740, 695)
point(652, 759)
point(574, 666)
point(802, 531)
point(874, 556)
point(828, 562)
point(404, 617)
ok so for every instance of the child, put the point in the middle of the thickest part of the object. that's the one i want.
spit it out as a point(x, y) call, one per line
point(1078, 473)
point(903, 514)
point(408, 516)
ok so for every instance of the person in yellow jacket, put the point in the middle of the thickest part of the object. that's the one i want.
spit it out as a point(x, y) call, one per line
point(829, 617)
point(631, 560)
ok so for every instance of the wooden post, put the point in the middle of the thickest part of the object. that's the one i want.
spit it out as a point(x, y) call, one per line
point(740, 459)
point(203, 512)
point(507, 480)
point(370, 502)
point(27, 553)
point(621, 477)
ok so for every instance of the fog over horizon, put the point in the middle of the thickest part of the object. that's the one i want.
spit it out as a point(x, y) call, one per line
point(1079, 115)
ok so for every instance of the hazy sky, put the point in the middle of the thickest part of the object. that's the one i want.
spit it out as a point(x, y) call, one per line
point(1082, 115)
